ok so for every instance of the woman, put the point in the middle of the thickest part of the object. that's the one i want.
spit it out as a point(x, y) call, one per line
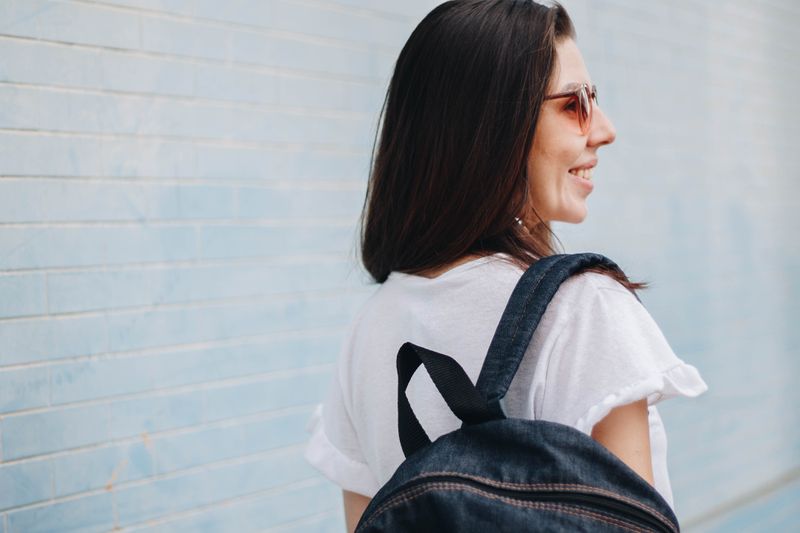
point(491, 131)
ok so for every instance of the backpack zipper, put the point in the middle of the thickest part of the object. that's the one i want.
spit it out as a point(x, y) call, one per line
point(631, 512)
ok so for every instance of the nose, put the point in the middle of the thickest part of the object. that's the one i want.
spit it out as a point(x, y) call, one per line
point(602, 130)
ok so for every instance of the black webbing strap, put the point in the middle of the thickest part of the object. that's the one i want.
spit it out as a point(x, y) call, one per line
point(452, 382)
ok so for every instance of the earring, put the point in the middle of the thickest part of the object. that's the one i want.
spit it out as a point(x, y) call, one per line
point(519, 221)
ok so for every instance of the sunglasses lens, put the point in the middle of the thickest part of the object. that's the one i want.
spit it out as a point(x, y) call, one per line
point(584, 108)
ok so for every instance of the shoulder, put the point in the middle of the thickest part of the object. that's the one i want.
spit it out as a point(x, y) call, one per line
point(583, 290)
point(590, 281)
point(597, 309)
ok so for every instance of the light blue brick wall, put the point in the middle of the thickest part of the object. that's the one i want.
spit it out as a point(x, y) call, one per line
point(179, 185)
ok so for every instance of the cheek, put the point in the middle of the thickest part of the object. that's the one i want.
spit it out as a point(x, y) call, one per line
point(548, 162)
point(555, 149)
point(565, 154)
point(543, 181)
point(558, 148)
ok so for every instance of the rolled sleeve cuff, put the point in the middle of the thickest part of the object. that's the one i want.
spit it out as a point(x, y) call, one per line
point(344, 471)
point(680, 380)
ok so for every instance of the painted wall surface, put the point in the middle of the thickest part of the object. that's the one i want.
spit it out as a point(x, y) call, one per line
point(179, 187)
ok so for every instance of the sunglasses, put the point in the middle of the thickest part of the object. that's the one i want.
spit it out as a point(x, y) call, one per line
point(582, 97)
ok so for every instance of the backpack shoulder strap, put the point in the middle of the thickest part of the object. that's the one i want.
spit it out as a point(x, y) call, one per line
point(522, 314)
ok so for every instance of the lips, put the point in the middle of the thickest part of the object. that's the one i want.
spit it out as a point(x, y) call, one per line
point(588, 164)
point(585, 170)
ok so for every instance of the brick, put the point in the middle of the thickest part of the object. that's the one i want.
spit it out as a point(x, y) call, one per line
point(68, 246)
point(238, 11)
point(47, 63)
point(184, 38)
point(115, 288)
point(25, 388)
point(236, 83)
point(157, 158)
point(18, 109)
point(265, 395)
point(265, 202)
point(24, 483)
point(79, 381)
point(61, 429)
point(139, 417)
point(325, 93)
point(413, 9)
point(208, 445)
point(123, 71)
point(139, 503)
point(101, 468)
point(42, 339)
point(96, 290)
point(24, 154)
point(87, 24)
point(89, 514)
point(255, 164)
point(330, 522)
point(295, 54)
point(21, 18)
point(337, 24)
point(31, 200)
point(21, 294)
point(67, 111)
point(227, 242)
point(264, 511)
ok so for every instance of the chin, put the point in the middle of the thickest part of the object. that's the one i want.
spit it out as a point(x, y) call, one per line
point(573, 218)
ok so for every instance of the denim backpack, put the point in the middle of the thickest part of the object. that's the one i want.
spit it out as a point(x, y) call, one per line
point(496, 473)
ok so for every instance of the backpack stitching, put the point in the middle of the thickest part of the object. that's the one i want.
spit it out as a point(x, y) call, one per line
point(529, 297)
point(573, 510)
point(531, 505)
point(554, 486)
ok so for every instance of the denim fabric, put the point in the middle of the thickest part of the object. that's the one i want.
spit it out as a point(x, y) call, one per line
point(537, 456)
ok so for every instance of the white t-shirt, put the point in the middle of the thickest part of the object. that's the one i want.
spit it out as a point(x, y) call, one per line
point(596, 348)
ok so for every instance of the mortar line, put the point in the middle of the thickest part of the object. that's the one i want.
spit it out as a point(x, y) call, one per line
point(267, 107)
point(193, 60)
point(282, 146)
point(228, 502)
point(233, 421)
point(244, 27)
point(255, 261)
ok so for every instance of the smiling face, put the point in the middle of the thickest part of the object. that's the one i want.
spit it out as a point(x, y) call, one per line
point(559, 146)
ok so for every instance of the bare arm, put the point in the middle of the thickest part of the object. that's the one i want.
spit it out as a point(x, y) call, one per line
point(625, 431)
point(354, 506)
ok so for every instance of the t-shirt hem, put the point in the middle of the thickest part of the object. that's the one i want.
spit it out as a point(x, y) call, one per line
point(342, 470)
point(680, 380)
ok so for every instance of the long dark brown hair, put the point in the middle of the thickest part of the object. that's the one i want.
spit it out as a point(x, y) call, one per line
point(450, 172)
